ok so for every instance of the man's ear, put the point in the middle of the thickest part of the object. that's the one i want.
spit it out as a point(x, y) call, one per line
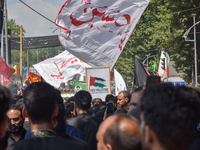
point(24, 112)
point(109, 147)
point(3, 126)
point(126, 99)
point(55, 111)
point(149, 137)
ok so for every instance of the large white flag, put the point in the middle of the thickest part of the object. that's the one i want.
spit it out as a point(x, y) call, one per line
point(120, 85)
point(97, 30)
point(60, 68)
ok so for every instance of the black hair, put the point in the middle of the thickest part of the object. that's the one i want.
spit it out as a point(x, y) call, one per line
point(83, 100)
point(115, 100)
point(17, 107)
point(71, 99)
point(40, 100)
point(101, 104)
point(61, 126)
point(122, 139)
point(172, 113)
point(126, 95)
point(109, 97)
point(5, 98)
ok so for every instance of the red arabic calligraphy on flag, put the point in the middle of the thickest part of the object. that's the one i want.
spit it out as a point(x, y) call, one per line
point(60, 68)
point(98, 30)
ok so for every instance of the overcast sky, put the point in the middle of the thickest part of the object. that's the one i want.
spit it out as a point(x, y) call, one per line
point(34, 24)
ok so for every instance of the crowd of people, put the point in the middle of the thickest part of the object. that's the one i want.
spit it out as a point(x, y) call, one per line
point(160, 117)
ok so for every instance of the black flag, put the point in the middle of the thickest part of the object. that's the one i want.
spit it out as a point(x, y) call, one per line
point(140, 73)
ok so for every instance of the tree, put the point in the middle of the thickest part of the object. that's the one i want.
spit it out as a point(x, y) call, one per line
point(160, 29)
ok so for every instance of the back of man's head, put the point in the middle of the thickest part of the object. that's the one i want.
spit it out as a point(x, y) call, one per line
point(172, 113)
point(83, 100)
point(121, 132)
point(40, 100)
point(109, 98)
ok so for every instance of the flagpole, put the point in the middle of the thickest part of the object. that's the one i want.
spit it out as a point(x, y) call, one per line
point(21, 55)
point(6, 31)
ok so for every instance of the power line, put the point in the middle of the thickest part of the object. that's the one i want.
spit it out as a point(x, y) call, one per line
point(37, 12)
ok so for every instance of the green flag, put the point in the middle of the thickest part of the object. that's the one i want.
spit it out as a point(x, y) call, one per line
point(79, 85)
point(154, 67)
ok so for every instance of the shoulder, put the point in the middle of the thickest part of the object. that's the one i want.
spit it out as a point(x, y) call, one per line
point(49, 143)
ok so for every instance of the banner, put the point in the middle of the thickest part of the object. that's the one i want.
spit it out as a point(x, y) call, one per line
point(79, 85)
point(120, 85)
point(34, 77)
point(97, 30)
point(60, 68)
point(98, 81)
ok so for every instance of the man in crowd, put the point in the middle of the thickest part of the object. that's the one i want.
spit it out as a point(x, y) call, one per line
point(135, 98)
point(41, 109)
point(119, 132)
point(169, 116)
point(100, 113)
point(5, 98)
point(123, 99)
point(87, 124)
point(109, 98)
point(16, 121)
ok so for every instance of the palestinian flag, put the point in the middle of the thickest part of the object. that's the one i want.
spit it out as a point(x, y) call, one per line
point(97, 82)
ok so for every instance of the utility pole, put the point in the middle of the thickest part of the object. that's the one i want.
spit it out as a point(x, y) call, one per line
point(6, 30)
point(195, 52)
point(195, 48)
point(37, 52)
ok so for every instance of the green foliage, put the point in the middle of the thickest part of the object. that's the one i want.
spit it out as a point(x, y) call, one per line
point(161, 28)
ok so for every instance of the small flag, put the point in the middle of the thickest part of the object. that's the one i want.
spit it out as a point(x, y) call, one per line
point(97, 82)
point(120, 85)
point(154, 67)
point(15, 67)
point(18, 71)
point(26, 70)
point(140, 73)
point(34, 77)
point(6, 70)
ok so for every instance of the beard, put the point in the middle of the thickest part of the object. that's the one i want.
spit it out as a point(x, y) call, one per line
point(15, 129)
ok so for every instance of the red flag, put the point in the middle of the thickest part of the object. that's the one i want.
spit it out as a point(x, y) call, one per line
point(34, 77)
point(18, 71)
point(6, 70)
point(6, 81)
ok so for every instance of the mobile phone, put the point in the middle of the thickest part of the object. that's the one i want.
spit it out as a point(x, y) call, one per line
point(151, 80)
point(109, 105)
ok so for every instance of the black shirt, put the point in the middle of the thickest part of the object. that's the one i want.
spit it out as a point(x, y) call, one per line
point(11, 140)
point(47, 140)
point(88, 126)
